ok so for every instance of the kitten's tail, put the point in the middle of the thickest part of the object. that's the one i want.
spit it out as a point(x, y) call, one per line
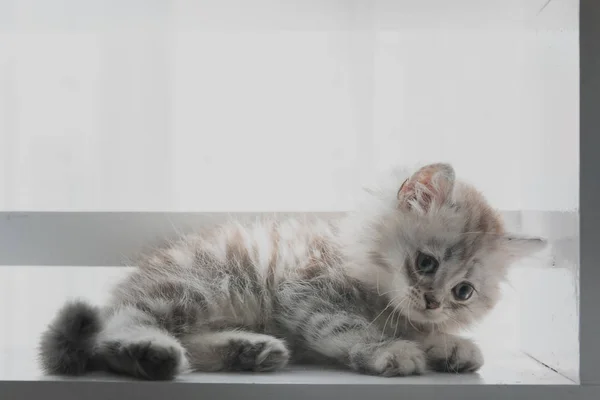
point(67, 346)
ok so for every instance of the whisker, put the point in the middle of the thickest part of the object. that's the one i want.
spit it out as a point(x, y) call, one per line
point(382, 311)
point(390, 291)
point(384, 325)
point(460, 326)
point(408, 315)
point(399, 309)
point(397, 321)
point(445, 339)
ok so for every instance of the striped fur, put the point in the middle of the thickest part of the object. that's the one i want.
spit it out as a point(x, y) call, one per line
point(349, 292)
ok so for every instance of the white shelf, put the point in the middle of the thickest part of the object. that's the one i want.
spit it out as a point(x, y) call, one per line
point(19, 364)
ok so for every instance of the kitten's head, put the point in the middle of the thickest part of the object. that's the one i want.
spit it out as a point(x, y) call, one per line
point(435, 248)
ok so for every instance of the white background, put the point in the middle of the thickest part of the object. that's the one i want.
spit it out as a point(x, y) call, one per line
point(282, 105)
point(263, 105)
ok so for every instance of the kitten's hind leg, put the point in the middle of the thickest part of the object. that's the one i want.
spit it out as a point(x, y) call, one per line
point(235, 350)
point(132, 344)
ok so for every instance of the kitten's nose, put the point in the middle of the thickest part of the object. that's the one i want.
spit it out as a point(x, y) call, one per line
point(431, 302)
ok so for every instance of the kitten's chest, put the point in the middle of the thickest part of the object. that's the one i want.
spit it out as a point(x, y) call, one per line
point(401, 327)
point(394, 324)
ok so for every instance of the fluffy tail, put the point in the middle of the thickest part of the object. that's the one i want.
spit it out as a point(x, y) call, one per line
point(67, 346)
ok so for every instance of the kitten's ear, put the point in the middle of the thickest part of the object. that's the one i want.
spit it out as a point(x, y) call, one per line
point(427, 188)
point(518, 246)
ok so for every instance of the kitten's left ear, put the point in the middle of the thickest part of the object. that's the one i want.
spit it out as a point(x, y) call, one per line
point(429, 187)
point(518, 246)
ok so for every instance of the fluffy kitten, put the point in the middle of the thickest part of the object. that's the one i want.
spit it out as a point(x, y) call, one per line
point(380, 292)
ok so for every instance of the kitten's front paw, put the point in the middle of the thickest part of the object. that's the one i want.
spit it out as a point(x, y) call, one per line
point(264, 354)
point(395, 358)
point(447, 353)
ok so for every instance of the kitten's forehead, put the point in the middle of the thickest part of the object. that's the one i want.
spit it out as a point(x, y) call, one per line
point(457, 229)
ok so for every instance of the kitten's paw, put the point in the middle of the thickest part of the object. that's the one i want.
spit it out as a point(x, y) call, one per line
point(145, 359)
point(396, 358)
point(261, 354)
point(447, 353)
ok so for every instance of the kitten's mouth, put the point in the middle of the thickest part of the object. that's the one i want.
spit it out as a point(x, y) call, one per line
point(427, 316)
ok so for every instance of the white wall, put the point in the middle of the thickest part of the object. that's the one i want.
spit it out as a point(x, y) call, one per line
point(230, 105)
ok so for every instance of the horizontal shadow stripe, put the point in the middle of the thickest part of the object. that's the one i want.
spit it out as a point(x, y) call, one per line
point(111, 238)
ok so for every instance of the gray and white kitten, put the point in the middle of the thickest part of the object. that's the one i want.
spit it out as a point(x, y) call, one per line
point(381, 291)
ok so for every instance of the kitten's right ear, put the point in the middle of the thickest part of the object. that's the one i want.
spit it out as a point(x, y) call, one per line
point(429, 187)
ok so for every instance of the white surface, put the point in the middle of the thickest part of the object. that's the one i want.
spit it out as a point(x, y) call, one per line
point(549, 297)
point(505, 368)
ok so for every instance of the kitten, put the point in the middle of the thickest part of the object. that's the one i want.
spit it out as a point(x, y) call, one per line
point(381, 292)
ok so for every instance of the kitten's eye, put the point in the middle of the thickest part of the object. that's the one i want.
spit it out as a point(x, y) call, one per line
point(463, 291)
point(426, 264)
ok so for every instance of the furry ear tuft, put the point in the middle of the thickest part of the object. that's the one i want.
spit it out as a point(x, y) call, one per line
point(519, 246)
point(428, 188)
